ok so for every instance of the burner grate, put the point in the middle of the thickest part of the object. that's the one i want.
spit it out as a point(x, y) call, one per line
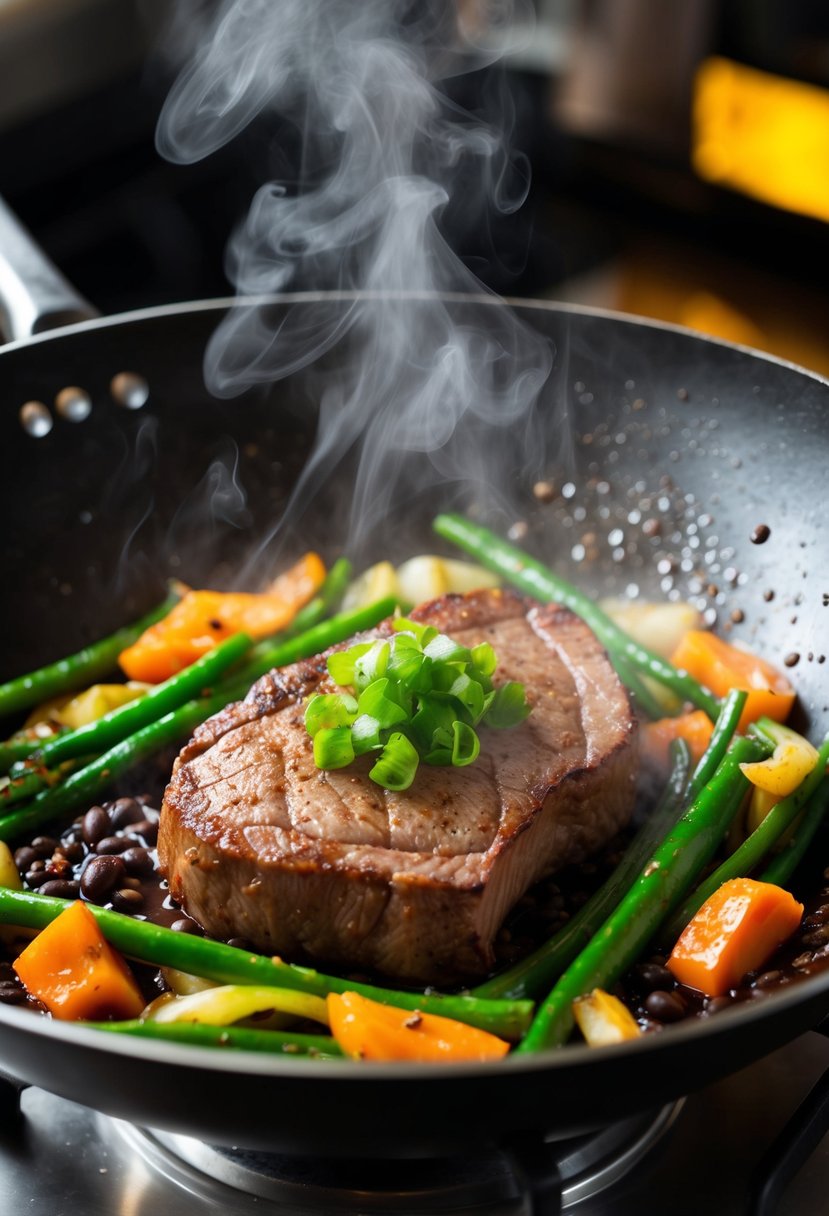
point(499, 1180)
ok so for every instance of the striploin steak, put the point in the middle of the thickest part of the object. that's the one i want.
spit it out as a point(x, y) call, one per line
point(257, 843)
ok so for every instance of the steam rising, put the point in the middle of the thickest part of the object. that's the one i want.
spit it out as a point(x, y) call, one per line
point(417, 389)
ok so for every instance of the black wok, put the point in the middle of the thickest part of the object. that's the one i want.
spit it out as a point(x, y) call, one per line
point(747, 435)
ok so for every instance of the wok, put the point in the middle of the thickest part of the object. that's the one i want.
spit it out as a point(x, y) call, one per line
point(95, 522)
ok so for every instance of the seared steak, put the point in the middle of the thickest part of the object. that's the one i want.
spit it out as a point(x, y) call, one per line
point(258, 843)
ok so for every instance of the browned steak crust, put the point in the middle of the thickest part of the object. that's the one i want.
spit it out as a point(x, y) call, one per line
point(258, 843)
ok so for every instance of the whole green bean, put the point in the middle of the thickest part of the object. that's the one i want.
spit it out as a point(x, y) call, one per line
point(78, 670)
point(674, 866)
point(754, 848)
point(88, 783)
point(784, 863)
point(102, 734)
point(15, 750)
point(534, 578)
point(724, 728)
point(643, 698)
point(240, 1038)
point(533, 975)
point(151, 943)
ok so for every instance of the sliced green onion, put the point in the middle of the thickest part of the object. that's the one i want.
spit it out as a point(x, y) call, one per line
point(509, 706)
point(466, 745)
point(418, 695)
point(329, 709)
point(333, 747)
point(396, 768)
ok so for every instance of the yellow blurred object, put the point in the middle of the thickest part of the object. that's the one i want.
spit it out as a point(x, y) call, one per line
point(710, 314)
point(88, 706)
point(9, 873)
point(416, 581)
point(759, 805)
point(659, 626)
point(603, 1019)
point(793, 759)
point(763, 135)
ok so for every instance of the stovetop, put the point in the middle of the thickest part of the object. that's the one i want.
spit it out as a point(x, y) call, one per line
point(61, 1159)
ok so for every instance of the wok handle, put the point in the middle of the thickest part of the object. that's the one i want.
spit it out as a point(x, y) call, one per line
point(34, 295)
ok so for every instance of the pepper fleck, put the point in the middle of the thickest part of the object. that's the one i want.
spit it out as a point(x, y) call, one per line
point(760, 534)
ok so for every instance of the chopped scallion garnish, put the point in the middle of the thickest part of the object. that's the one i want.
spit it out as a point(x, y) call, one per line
point(418, 695)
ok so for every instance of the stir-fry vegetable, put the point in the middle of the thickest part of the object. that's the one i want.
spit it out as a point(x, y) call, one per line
point(367, 1030)
point(239, 1038)
point(228, 1003)
point(674, 866)
point(202, 619)
point(751, 852)
point(735, 930)
point(791, 762)
point(603, 1019)
point(721, 667)
point(695, 728)
point(77, 670)
point(151, 943)
point(72, 969)
point(534, 578)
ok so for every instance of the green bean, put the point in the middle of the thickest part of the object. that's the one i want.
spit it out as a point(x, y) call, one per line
point(784, 863)
point(22, 787)
point(724, 728)
point(754, 848)
point(151, 943)
point(534, 578)
point(277, 1042)
point(15, 750)
point(674, 866)
point(78, 670)
point(533, 975)
point(103, 733)
point(644, 699)
point(89, 782)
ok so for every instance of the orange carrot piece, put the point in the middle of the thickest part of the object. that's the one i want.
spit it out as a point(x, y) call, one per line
point(367, 1030)
point(696, 728)
point(734, 932)
point(202, 619)
point(75, 972)
point(721, 667)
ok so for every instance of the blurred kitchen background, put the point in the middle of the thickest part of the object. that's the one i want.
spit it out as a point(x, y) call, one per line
point(679, 153)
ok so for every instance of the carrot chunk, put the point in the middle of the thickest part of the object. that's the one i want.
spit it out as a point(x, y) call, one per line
point(721, 667)
point(367, 1030)
point(656, 737)
point(734, 932)
point(202, 619)
point(75, 972)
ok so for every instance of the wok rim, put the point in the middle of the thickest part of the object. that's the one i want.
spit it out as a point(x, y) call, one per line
point(531, 303)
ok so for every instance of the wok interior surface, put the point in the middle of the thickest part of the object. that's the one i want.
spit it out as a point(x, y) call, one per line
point(715, 440)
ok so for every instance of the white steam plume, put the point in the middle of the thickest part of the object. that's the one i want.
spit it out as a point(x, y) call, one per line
point(420, 388)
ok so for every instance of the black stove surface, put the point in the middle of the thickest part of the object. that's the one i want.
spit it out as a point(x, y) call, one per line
point(61, 1159)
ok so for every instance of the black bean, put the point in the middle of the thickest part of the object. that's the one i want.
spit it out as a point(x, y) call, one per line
point(241, 943)
point(36, 878)
point(23, 858)
point(101, 875)
point(185, 925)
point(665, 1006)
point(127, 900)
point(62, 888)
point(137, 860)
point(11, 993)
point(715, 1004)
point(146, 830)
point(44, 846)
point(125, 811)
point(768, 979)
point(95, 825)
point(817, 937)
point(113, 844)
point(72, 851)
point(652, 977)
